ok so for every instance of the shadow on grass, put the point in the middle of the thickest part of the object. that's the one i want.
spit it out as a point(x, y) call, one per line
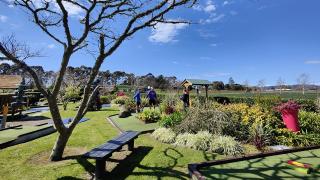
point(260, 169)
point(68, 178)
point(126, 167)
point(35, 118)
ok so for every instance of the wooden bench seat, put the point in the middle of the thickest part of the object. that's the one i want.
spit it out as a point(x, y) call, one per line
point(101, 153)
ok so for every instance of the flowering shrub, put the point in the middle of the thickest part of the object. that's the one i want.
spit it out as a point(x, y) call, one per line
point(120, 100)
point(149, 116)
point(288, 106)
point(171, 104)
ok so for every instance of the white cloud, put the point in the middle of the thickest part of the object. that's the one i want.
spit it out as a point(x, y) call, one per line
point(312, 62)
point(3, 18)
point(166, 32)
point(51, 46)
point(214, 18)
point(6, 61)
point(72, 9)
point(225, 3)
point(210, 7)
point(213, 45)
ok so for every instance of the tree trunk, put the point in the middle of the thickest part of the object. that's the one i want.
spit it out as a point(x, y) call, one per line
point(59, 146)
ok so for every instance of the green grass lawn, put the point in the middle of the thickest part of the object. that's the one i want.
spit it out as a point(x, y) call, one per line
point(133, 123)
point(11, 134)
point(273, 167)
point(150, 160)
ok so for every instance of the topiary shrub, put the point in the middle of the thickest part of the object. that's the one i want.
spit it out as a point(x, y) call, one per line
point(149, 116)
point(226, 145)
point(164, 135)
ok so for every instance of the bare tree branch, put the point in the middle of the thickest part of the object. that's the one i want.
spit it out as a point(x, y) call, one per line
point(16, 53)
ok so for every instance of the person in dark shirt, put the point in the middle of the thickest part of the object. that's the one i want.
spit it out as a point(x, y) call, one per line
point(185, 98)
point(152, 96)
point(137, 99)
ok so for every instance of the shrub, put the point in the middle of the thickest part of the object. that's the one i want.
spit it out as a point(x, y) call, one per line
point(226, 145)
point(309, 122)
point(144, 102)
point(120, 100)
point(171, 120)
point(317, 103)
point(149, 116)
point(288, 138)
point(164, 135)
point(182, 139)
point(169, 104)
point(200, 141)
point(260, 136)
point(267, 102)
point(203, 119)
point(307, 104)
point(107, 99)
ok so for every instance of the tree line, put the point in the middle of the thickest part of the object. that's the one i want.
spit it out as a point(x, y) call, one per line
point(78, 76)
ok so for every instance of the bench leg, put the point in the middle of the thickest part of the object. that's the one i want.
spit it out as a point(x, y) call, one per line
point(100, 169)
point(131, 145)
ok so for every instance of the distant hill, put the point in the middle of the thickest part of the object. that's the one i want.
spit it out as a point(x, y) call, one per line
point(295, 87)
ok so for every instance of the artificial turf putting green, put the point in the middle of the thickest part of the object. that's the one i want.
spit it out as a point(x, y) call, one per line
point(273, 167)
point(133, 123)
point(12, 134)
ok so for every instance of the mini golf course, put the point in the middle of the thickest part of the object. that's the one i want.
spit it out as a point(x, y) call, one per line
point(21, 134)
point(132, 123)
point(272, 167)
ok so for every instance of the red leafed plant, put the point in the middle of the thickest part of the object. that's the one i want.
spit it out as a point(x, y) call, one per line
point(288, 106)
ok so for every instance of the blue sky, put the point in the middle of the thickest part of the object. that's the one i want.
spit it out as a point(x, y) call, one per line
point(244, 39)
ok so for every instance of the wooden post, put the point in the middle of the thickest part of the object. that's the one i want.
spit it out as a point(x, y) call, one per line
point(206, 86)
point(5, 110)
point(100, 169)
point(131, 145)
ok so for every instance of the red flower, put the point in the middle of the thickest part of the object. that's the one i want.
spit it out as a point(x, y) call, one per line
point(288, 106)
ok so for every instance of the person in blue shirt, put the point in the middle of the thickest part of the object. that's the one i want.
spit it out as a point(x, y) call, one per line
point(137, 99)
point(152, 96)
